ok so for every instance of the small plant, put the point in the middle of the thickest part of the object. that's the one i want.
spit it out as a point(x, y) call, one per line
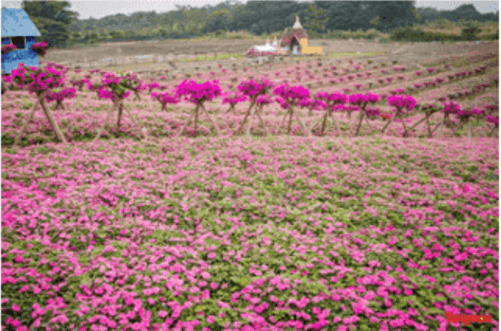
point(27, 105)
point(395, 62)
point(370, 62)
point(40, 48)
point(8, 48)
point(383, 64)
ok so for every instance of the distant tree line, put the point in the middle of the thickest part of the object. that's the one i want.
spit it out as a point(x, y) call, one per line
point(61, 27)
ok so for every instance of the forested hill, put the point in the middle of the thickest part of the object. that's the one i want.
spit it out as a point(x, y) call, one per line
point(465, 12)
point(271, 16)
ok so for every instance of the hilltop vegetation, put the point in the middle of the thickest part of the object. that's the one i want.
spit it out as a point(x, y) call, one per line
point(323, 19)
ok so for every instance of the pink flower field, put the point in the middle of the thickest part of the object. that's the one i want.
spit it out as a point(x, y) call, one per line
point(333, 227)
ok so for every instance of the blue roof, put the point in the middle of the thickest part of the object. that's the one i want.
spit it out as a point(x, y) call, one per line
point(16, 23)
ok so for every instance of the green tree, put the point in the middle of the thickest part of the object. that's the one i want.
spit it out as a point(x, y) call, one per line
point(116, 34)
point(316, 19)
point(52, 18)
point(374, 21)
point(416, 14)
point(470, 30)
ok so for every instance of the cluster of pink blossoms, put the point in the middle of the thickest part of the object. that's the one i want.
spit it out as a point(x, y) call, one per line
point(37, 79)
point(363, 99)
point(402, 102)
point(451, 108)
point(234, 98)
point(199, 92)
point(8, 48)
point(61, 94)
point(40, 48)
point(291, 93)
point(166, 97)
point(254, 87)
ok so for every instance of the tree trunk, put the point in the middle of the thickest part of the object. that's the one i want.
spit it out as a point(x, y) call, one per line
point(119, 119)
point(290, 122)
point(406, 132)
point(359, 123)
point(196, 120)
point(324, 123)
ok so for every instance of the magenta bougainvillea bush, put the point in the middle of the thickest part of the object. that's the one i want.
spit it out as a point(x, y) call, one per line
point(40, 48)
point(8, 48)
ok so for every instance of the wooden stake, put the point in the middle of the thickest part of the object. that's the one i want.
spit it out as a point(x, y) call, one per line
point(134, 120)
point(290, 121)
point(25, 125)
point(429, 126)
point(120, 111)
point(492, 131)
point(50, 117)
point(324, 123)
point(306, 132)
point(196, 119)
point(283, 118)
point(361, 117)
point(250, 122)
point(421, 121)
point(210, 118)
point(316, 123)
point(335, 125)
point(388, 124)
point(110, 113)
point(406, 133)
point(185, 125)
point(246, 115)
point(368, 122)
point(261, 120)
point(232, 109)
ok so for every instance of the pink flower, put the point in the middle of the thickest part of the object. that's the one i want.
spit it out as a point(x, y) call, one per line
point(210, 319)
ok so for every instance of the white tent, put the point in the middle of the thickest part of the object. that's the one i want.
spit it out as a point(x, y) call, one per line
point(265, 48)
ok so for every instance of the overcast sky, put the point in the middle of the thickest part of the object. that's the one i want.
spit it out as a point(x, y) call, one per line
point(99, 9)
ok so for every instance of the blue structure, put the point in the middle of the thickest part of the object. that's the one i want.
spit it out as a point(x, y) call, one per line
point(18, 29)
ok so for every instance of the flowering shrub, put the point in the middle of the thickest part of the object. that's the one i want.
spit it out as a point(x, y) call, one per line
point(292, 94)
point(80, 83)
point(199, 92)
point(40, 48)
point(166, 98)
point(112, 87)
point(59, 94)
point(451, 108)
point(8, 48)
point(151, 86)
point(264, 99)
point(372, 112)
point(234, 98)
point(493, 120)
point(466, 114)
point(254, 88)
point(38, 80)
point(402, 102)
